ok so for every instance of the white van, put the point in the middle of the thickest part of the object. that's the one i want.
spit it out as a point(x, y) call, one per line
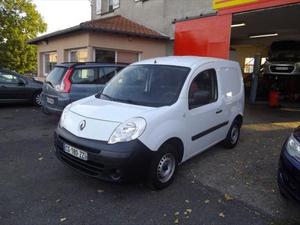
point(152, 116)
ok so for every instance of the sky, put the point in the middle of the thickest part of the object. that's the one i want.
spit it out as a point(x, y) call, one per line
point(61, 14)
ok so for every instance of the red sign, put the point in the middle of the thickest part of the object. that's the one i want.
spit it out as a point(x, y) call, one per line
point(208, 36)
point(235, 6)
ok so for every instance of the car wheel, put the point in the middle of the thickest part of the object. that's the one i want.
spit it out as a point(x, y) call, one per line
point(279, 177)
point(233, 135)
point(45, 111)
point(163, 168)
point(36, 99)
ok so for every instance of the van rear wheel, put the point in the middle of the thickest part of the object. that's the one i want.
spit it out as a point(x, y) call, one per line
point(163, 168)
point(233, 135)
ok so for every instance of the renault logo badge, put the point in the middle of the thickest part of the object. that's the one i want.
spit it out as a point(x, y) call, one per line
point(82, 125)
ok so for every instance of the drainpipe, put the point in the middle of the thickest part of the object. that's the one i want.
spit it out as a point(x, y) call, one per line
point(254, 78)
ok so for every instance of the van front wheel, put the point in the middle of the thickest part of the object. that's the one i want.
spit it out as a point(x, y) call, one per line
point(163, 168)
point(233, 135)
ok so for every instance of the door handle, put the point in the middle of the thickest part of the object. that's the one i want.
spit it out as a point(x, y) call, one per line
point(219, 111)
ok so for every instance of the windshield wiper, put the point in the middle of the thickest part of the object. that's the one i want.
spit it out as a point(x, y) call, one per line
point(129, 101)
point(107, 96)
point(48, 82)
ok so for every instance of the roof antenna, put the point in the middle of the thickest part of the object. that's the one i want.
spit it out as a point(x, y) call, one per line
point(155, 61)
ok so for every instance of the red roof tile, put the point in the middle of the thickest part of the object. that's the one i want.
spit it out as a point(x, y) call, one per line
point(114, 24)
point(119, 24)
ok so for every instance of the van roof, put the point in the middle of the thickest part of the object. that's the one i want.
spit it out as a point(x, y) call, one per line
point(186, 61)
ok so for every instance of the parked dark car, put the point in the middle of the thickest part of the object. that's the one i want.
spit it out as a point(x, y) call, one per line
point(17, 88)
point(289, 167)
point(69, 82)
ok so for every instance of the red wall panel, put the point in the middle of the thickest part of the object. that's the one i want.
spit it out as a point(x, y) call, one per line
point(208, 36)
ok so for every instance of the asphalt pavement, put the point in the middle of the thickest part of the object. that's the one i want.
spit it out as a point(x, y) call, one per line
point(36, 189)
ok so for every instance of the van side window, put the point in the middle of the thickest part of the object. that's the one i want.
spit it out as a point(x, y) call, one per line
point(203, 89)
point(84, 76)
point(106, 73)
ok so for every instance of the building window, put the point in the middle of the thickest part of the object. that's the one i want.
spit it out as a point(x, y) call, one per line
point(98, 6)
point(105, 6)
point(78, 55)
point(50, 60)
point(249, 64)
point(127, 57)
point(113, 4)
point(105, 56)
point(114, 56)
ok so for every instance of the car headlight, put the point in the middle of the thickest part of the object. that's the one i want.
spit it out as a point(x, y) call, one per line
point(298, 66)
point(293, 147)
point(128, 131)
point(63, 115)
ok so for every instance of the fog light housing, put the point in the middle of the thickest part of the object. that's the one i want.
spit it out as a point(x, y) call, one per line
point(115, 174)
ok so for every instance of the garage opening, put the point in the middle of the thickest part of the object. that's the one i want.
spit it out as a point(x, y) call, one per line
point(267, 44)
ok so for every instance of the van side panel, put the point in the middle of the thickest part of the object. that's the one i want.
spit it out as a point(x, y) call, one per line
point(232, 87)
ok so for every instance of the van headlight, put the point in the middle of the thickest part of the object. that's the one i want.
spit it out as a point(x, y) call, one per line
point(128, 131)
point(63, 115)
point(293, 147)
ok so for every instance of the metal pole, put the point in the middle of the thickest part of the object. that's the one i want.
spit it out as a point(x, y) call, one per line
point(254, 80)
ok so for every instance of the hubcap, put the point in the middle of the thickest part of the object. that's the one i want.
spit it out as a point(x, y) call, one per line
point(166, 167)
point(38, 99)
point(234, 134)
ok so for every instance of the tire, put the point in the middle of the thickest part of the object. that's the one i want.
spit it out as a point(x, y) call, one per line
point(282, 194)
point(233, 135)
point(36, 99)
point(45, 111)
point(163, 168)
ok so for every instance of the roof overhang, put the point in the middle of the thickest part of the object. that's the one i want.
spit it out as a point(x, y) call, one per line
point(107, 25)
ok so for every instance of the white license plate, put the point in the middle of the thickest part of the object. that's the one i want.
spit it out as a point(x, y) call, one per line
point(282, 68)
point(50, 100)
point(76, 152)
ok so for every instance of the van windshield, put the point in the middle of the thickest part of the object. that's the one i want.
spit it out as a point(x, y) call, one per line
point(56, 75)
point(147, 85)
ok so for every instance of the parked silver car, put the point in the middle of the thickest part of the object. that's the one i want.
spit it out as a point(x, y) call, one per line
point(284, 59)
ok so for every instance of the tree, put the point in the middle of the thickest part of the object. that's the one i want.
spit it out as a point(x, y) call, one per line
point(19, 22)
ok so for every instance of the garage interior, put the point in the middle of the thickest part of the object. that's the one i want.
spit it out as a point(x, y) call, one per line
point(278, 24)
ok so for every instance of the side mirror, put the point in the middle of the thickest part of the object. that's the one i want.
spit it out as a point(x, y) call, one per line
point(21, 83)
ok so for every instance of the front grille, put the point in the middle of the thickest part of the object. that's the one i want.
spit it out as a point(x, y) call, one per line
point(79, 146)
point(282, 69)
point(88, 167)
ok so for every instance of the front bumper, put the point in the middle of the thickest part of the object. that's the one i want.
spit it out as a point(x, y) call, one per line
point(289, 175)
point(117, 162)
